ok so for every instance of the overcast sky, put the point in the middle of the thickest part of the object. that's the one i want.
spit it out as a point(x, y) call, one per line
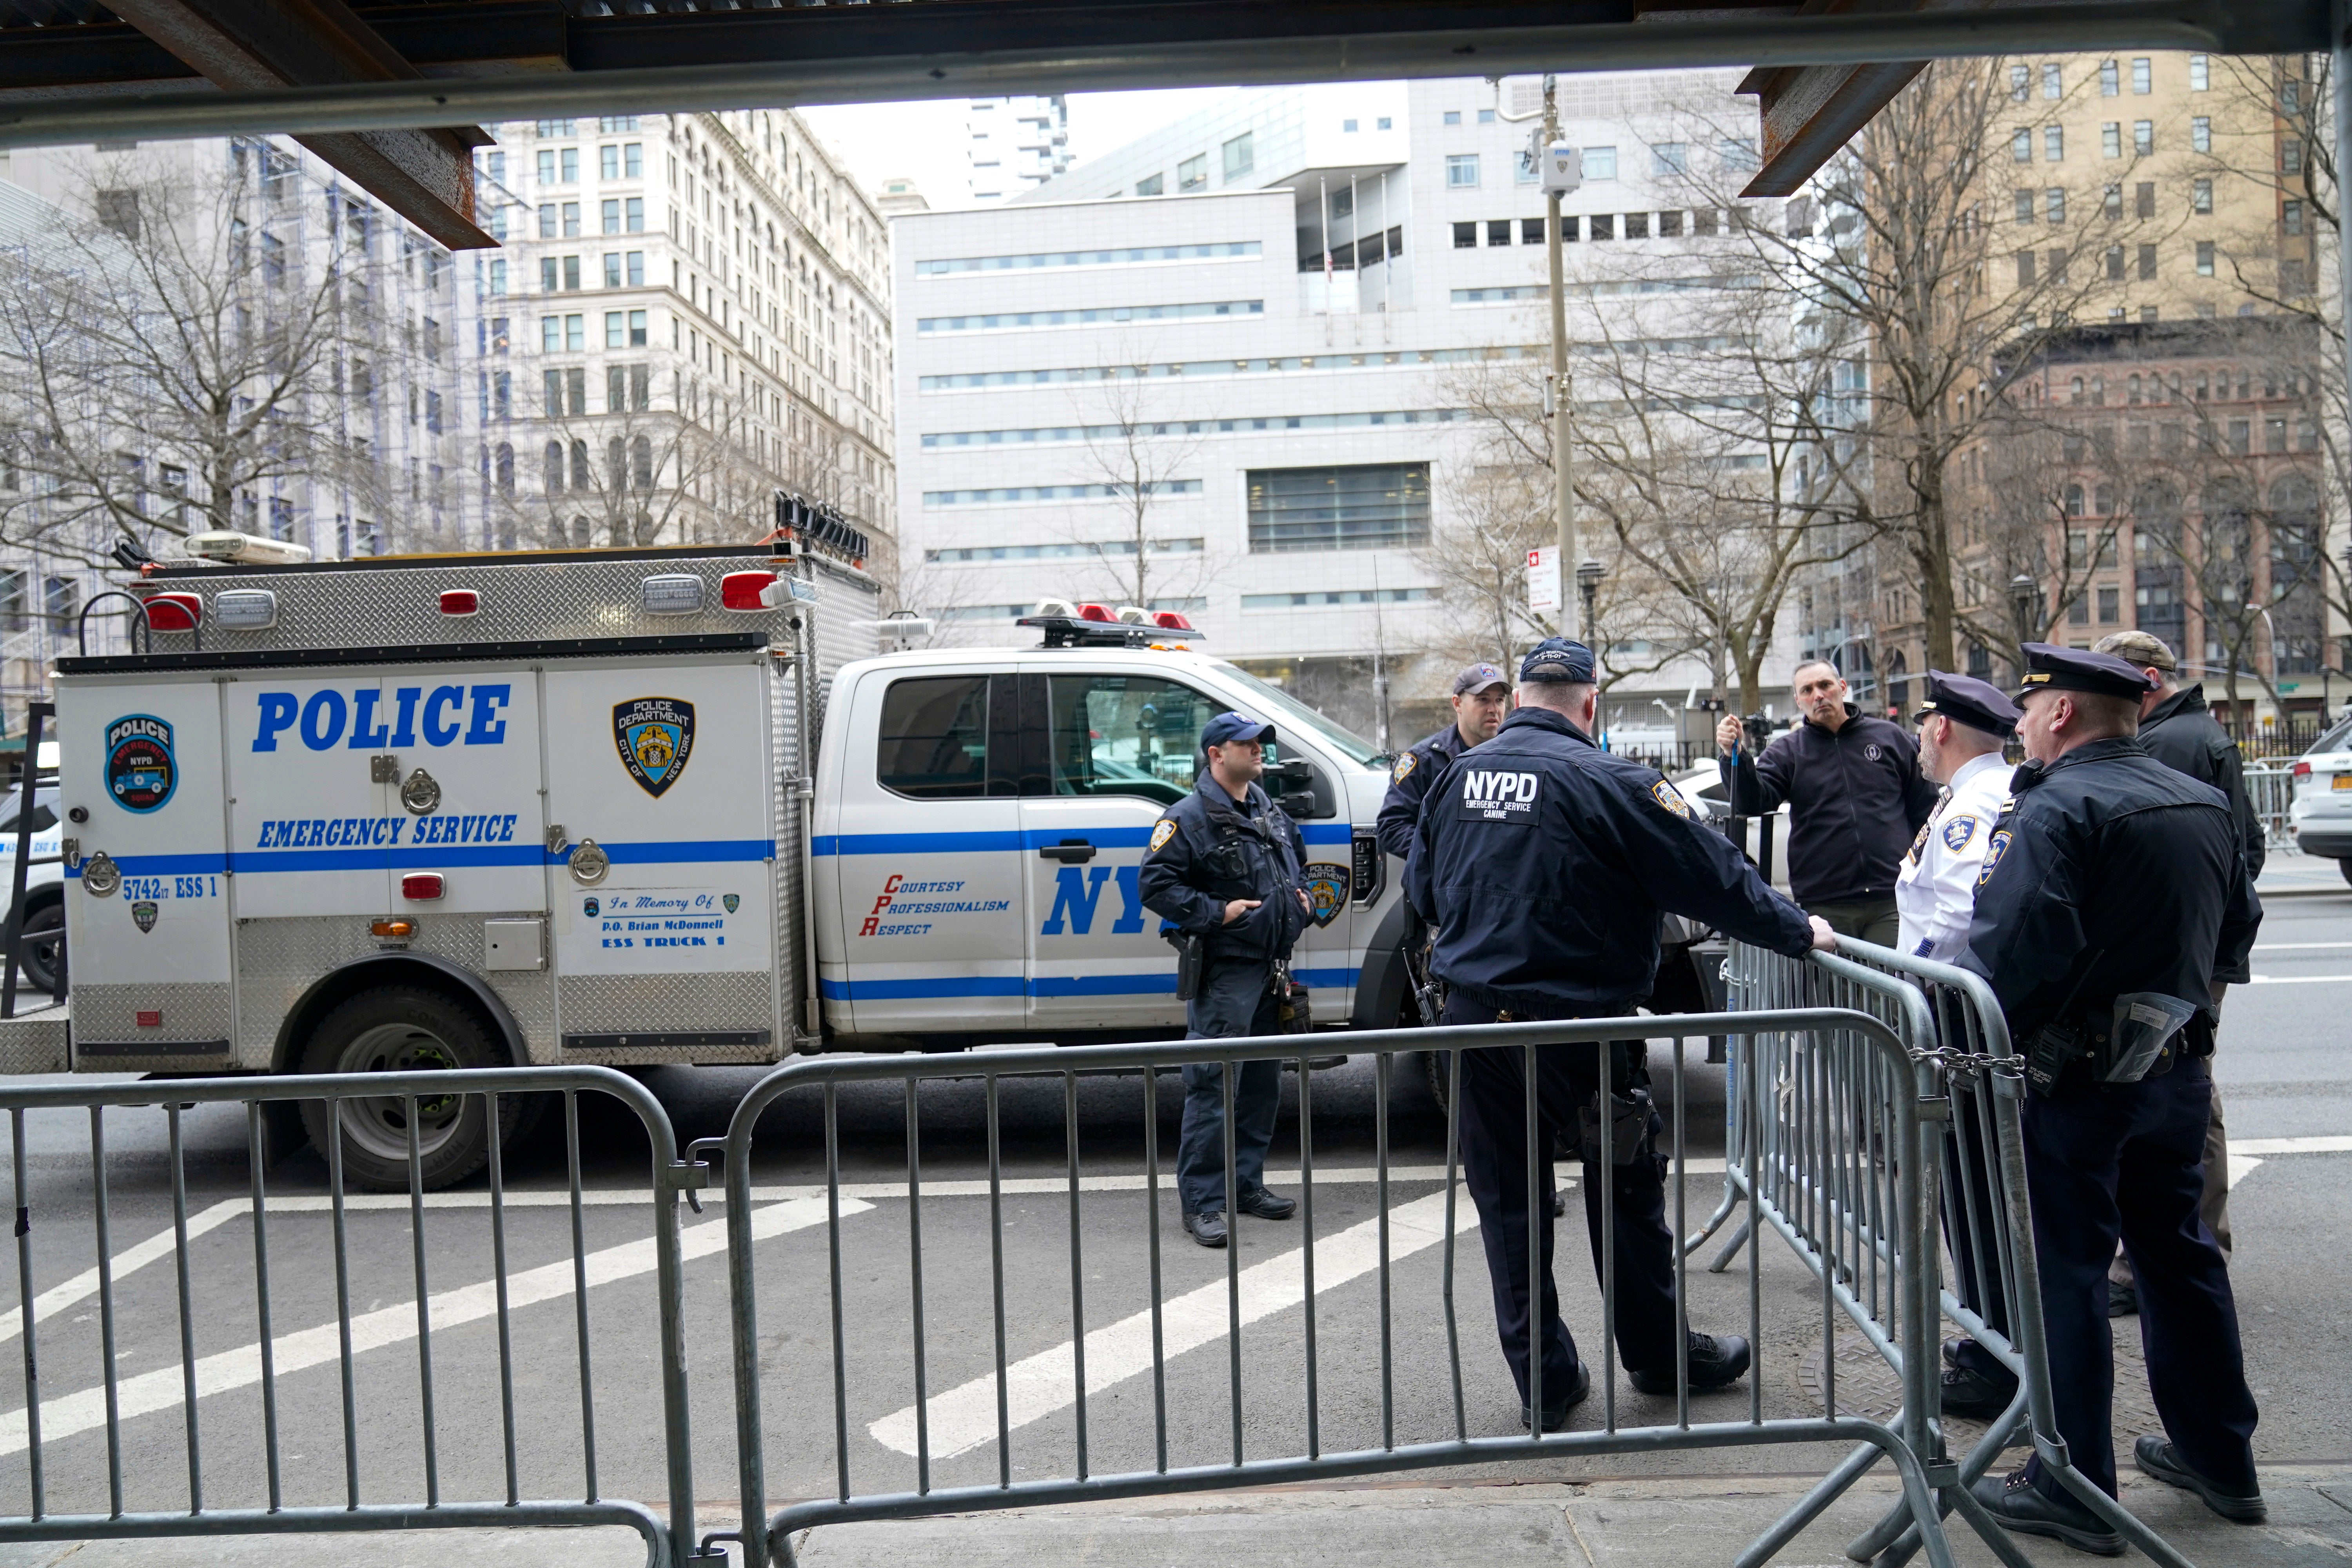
point(925, 141)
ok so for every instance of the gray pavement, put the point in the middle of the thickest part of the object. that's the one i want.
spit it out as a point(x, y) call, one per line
point(2285, 1073)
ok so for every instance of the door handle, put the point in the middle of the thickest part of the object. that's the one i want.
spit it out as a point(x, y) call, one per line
point(1069, 852)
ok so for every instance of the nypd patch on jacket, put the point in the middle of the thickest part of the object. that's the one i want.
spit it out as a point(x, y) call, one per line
point(1542, 863)
point(1936, 891)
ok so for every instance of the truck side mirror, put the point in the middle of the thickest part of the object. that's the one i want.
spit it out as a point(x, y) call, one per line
point(1299, 790)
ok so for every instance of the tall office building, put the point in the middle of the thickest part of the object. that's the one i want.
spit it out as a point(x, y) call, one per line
point(1014, 144)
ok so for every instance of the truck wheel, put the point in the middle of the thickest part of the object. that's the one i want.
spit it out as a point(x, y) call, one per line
point(404, 1028)
point(41, 947)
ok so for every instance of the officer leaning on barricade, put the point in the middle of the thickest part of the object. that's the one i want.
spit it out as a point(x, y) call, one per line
point(2111, 888)
point(2181, 731)
point(1224, 869)
point(1543, 862)
point(1962, 727)
point(1482, 695)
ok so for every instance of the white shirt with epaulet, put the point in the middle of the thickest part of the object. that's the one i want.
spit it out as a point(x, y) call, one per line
point(1935, 893)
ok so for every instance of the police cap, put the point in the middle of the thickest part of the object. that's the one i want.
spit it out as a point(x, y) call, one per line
point(1481, 677)
point(1561, 661)
point(2048, 667)
point(1226, 727)
point(1964, 700)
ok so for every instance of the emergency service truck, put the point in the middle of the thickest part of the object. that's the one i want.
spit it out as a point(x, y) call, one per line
point(640, 806)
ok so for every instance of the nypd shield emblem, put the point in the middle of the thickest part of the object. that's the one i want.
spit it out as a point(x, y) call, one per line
point(730, 902)
point(143, 913)
point(141, 771)
point(591, 907)
point(1327, 890)
point(1994, 850)
point(655, 736)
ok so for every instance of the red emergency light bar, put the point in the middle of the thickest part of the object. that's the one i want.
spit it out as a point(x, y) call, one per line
point(175, 612)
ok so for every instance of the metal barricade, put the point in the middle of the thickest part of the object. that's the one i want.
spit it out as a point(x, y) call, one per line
point(1972, 1146)
point(1855, 1061)
point(2270, 786)
point(183, 1502)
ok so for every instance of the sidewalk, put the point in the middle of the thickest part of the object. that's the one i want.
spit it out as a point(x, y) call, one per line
point(2292, 872)
point(1682, 1523)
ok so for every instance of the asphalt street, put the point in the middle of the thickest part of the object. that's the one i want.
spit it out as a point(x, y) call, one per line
point(1069, 1265)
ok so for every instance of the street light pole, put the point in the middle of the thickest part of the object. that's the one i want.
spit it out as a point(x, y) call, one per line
point(1563, 488)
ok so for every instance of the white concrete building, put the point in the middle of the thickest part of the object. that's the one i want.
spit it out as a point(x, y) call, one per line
point(1279, 297)
point(1014, 144)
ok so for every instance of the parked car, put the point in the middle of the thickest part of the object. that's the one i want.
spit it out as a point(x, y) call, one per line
point(2320, 815)
point(42, 950)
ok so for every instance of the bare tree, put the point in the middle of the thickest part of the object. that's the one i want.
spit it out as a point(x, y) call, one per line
point(173, 359)
point(1137, 460)
point(1477, 558)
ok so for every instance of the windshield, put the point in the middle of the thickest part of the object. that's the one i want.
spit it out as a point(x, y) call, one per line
point(2339, 739)
point(1284, 709)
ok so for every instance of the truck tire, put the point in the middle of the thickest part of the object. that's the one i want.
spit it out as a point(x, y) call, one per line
point(41, 947)
point(398, 1028)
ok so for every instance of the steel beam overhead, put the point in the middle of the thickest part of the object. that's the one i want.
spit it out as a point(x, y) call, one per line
point(426, 173)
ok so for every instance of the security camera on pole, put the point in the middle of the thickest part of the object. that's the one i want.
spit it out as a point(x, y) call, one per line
point(1559, 170)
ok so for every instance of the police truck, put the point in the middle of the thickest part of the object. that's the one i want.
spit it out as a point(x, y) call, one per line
point(638, 806)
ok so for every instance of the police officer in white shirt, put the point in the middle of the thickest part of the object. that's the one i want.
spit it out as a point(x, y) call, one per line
point(1962, 727)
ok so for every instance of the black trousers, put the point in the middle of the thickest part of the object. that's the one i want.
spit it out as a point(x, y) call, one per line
point(2129, 1159)
point(1494, 1167)
point(1970, 1226)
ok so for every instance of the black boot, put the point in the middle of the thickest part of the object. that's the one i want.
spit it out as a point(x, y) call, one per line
point(1716, 1360)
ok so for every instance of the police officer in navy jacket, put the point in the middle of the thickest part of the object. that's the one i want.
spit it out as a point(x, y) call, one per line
point(1482, 695)
point(2111, 885)
point(1224, 865)
point(1543, 862)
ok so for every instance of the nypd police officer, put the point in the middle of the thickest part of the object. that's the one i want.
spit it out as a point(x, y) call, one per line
point(2112, 887)
point(1543, 863)
point(1963, 725)
point(1224, 869)
point(1482, 695)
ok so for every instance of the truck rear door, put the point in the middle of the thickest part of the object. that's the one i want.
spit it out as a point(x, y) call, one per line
point(923, 848)
point(150, 954)
point(311, 829)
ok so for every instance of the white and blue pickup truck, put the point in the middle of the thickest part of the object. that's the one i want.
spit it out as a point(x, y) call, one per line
point(636, 806)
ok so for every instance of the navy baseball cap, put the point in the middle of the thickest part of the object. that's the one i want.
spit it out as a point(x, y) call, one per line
point(1226, 727)
point(1560, 661)
point(1965, 700)
point(2048, 667)
point(1479, 677)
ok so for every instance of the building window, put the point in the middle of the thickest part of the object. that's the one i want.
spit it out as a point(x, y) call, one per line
point(2115, 264)
point(2110, 80)
point(2143, 74)
point(571, 220)
point(611, 215)
point(635, 269)
point(575, 334)
point(2148, 264)
point(615, 330)
point(608, 163)
point(2054, 144)
point(2052, 85)
point(2021, 147)
point(2201, 73)
point(2290, 156)
point(2143, 137)
point(632, 161)
point(2291, 216)
point(1239, 156)
point(1599, 163)
point(2204, 258)
point(1465, 236)
point(1531, 231)
point(2021, 84)
point(1348, 126)
point(1604, 226)
point(2200, 134)
point(2053, 203)
point(636, 329)
point(1486, 117)
point(1382, 123)
point(1499, 231)
point(2111, 139)
point(1150, 185)
point(1372, 507)
point(1462, 171)
point(1670, 158)
point(2025, 210)
point(1193, 174)
point(1453, 117)
point(546, 221)
point(1637, 226)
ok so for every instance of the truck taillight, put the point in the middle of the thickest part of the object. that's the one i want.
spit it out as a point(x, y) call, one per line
point(175, 612)
point(746, 592)
point(1096, 613)
point(460, 602)
point(2302, 771)
point(420, 885)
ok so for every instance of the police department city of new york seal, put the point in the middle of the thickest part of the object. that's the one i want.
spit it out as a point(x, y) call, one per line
point(141, 770)
point(655, 736)
point(1327, 890)
point(142, 915)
